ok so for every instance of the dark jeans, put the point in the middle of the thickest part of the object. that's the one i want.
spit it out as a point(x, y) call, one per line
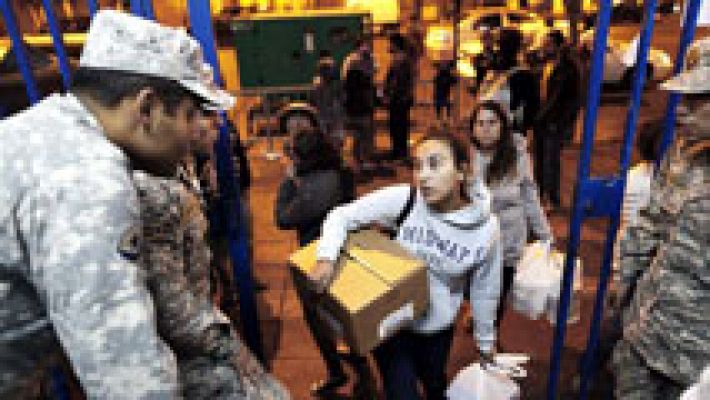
point(363, 131)
point(323, 337)
point(508, 276)
point(548, 151)
point(441, 105)
point(399, 131)
point(408, 358)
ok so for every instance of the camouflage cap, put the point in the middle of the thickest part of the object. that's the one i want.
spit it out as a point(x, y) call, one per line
point(124, 42)
point(695, 77)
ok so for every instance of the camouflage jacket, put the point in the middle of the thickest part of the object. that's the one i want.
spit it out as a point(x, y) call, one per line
point(69, 278)
point(213, 363)
point(668, 321)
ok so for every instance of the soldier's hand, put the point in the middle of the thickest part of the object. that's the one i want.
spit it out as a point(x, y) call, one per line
point(323, 274)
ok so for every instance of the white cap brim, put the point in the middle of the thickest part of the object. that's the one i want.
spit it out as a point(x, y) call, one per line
point(217, 99)
point(692, 82)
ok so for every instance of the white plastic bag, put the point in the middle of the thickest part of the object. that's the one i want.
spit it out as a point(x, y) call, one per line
point(535, 279)
point(475, 383)
point(553, 299)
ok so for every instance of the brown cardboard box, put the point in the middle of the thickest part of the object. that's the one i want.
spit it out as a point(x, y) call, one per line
point(379, 288)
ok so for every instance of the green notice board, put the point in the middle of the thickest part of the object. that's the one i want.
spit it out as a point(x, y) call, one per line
point(282, 50)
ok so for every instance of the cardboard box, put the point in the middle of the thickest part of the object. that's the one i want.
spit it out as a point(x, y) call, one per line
point(378, 289)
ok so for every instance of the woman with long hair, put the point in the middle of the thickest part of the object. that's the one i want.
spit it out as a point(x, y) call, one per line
point(501, 161)
point(452, 230)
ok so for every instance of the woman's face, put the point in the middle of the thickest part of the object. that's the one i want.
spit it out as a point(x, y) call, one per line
point(436, 175)
point(486, 128)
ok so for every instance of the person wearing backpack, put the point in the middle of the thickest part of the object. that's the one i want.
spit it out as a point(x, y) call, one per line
point(453, 230)
point(317, 183)
point(512, 84)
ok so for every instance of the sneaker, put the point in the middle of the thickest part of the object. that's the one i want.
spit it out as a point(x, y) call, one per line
point(365, 388)
point(329, 386)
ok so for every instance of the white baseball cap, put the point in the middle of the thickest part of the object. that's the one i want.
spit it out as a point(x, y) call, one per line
point(123, 42)
point(695, 77)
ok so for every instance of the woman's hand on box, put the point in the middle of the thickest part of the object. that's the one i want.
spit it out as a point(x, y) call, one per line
point(322, 274)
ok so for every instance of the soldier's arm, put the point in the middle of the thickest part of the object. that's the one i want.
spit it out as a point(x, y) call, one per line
point(637, 246)
point(190, 325)
point(82, 233)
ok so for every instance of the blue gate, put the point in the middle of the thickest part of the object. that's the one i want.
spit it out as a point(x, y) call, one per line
point(603, 196)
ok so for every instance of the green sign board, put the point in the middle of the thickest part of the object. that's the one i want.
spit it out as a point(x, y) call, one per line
point(276, 50)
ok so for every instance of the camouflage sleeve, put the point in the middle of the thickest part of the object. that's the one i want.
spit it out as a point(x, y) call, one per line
point(213, 362)
point(190, 325)
point(82, 234)
point(637, 246)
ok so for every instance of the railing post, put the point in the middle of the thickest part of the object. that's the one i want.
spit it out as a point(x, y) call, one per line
point(590, 117)
point(93, 7)
point(588, 361)
point(21, 55)
point(201, 25)
point(58, 42)
point(148, 11)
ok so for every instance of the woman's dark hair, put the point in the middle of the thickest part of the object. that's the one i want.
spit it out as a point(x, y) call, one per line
point(505, 156)
point(313, 152)
point(457, 144)
point(649, 140)
point(108, 87)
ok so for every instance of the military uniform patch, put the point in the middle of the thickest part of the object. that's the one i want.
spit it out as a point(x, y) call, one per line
point(128, 244)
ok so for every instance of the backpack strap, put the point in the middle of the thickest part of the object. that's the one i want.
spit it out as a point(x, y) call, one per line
point(405, 211)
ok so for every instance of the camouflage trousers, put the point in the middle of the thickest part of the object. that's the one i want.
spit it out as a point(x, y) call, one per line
point(203, 378)
point(635, 380)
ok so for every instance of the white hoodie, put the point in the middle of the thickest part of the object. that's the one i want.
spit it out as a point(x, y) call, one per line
point(453, 244)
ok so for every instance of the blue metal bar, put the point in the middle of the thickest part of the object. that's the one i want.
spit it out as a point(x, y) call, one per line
point(590, 117)
point(148, 11)
point(686, 37)
point(93, 7)
point(137, 7)
point(20, 51)
point(58, 42)
point(201, 25)
point(589, 358)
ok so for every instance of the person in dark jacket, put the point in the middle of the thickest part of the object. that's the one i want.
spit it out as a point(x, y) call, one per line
point(328, 96)
point(317, 183)
point(524, 88)
point(555, 122)
point(486, 60)
point(399, 96)
point(360, 93)
point(444, 80)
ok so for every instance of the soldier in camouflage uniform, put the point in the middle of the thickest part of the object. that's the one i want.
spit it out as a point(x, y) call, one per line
point(666, 342)
point(212, 361)
point(69, 216)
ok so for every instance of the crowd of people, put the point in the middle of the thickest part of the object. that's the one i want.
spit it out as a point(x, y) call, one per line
point(111, 266)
